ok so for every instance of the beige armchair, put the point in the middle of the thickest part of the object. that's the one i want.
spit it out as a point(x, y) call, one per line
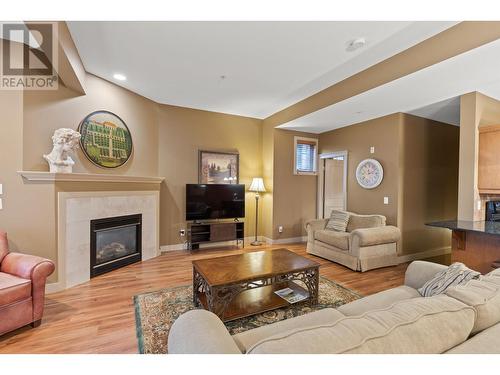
point(367, 243)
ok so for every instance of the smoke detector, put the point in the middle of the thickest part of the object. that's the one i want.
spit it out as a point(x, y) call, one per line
point(355, 44)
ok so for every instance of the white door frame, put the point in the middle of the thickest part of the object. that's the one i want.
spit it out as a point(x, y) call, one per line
point(321, 179)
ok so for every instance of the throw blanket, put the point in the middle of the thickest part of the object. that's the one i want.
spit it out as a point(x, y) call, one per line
point(455, 274)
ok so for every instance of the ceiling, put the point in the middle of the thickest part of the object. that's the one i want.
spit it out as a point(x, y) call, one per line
point(251, 69)
point(428, 92)
point(447, 111)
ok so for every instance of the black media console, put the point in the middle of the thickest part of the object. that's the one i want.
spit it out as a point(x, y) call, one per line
point(200, 233)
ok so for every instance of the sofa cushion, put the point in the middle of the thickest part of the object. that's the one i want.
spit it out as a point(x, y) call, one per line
point(418, 325)
point(376, 236)
point(455, 274)
point(379, 300)
point(13, 289)
point(4, 245)
point(249, 338)
point(365, 221)
point(338, 221)
point(484, 296)
point(486, 342)
point(338, 239)
point(200, 332)
point(494, 273)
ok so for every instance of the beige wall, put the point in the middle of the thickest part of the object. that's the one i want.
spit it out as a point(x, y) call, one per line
point(383, 134)
point(47, 111)
point(429, 182)
point(184, 131)
point(26, 208)
point(267, 174)
point(420, 160)
point(294, 196)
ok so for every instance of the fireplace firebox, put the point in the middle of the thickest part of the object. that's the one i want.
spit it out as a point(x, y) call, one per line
point(115, 242)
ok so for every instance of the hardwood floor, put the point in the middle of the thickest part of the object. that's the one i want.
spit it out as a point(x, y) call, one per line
point(98, 316)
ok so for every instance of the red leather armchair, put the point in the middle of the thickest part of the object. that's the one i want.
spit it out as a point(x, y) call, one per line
point(22, 287)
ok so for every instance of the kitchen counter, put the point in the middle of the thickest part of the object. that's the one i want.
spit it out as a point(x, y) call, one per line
point(487, 227)
point(474, 243)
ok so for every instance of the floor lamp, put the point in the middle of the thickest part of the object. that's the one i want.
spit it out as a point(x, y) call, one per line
point(257, 186)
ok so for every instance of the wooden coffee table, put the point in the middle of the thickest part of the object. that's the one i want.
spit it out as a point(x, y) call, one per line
point(236, 286)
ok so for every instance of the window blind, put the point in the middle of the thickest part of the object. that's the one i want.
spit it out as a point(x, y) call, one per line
point(305, 156)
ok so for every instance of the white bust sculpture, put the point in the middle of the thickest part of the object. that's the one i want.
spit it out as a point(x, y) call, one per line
point(64, 140)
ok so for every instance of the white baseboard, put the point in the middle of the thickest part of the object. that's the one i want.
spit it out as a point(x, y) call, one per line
point(53, 288)
point(424, 254)
point(175, 247)
point(279, 241)
point(267, 240)
point(183, 246)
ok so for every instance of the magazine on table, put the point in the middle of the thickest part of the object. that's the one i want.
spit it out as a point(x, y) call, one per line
point(290, 295)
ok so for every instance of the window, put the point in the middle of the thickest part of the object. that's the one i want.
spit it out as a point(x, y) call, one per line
point(305, 155)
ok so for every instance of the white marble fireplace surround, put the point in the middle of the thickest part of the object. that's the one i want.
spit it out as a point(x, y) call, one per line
point(76, 209)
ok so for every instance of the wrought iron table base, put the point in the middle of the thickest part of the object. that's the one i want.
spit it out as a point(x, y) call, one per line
point(218, 298)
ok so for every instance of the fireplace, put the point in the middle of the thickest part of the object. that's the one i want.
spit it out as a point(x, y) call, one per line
point(115, 242)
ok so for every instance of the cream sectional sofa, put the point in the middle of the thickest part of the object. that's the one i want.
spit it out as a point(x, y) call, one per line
point(466, 319)
point(367, 243)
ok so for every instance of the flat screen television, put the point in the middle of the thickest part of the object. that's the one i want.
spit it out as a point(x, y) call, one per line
point(214, 201)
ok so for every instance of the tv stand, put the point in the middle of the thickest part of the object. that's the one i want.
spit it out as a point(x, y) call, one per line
point(212, 232)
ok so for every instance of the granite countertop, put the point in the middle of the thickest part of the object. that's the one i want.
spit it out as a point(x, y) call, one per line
point(487, 227)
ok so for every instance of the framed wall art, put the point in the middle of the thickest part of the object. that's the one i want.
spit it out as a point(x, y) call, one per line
point(218, 167)
point(106, 140)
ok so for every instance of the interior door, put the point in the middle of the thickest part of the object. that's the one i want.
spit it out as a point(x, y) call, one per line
point(334, 185)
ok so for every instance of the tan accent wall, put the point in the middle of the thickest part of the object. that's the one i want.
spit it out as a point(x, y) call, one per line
point(451, 42)
point(420, 161)
point(26, 208)
point(267, 174)
point(46, 111)
point(382, 133)
point(429, 182)
point(184, 131)
point(294, 196)
point(476, 110)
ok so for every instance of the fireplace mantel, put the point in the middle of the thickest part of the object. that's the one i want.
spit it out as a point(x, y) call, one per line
point(49, 177)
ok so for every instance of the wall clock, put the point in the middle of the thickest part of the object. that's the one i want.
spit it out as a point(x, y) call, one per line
point(369, 173)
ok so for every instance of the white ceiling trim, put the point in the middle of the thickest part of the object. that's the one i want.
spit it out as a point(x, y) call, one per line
point(475, 70)
point(410, 36)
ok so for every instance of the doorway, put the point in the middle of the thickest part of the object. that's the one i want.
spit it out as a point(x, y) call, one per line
point(332, 184)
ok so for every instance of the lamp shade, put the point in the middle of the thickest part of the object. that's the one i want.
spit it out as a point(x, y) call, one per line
point(257, 185)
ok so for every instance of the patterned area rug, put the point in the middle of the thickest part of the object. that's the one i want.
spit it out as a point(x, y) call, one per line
point(156, 311)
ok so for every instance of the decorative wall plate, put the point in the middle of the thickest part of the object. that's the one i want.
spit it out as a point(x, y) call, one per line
point(106, 140)
point(369, 173)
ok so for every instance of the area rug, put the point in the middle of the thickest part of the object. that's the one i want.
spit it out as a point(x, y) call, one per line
point(156, 311)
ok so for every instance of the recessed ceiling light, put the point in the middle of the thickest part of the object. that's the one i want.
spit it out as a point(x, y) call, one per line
point(119, 77)
point(355, 44)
